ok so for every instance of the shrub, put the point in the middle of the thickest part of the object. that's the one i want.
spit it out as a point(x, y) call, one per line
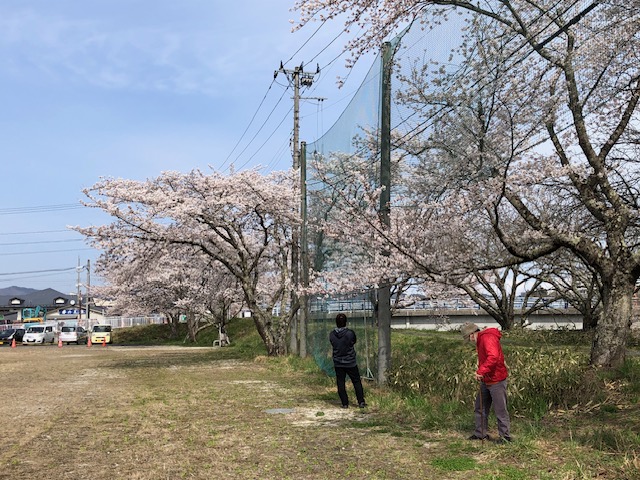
point(441, 368)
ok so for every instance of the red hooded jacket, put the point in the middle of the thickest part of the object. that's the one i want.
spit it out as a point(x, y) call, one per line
point(490, 357)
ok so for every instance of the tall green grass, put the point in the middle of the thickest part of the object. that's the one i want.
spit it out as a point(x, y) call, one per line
point(440, 366)
point(433, 374)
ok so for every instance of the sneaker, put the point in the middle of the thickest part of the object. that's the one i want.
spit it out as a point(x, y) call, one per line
point(344, 406)
point(503, 440)
point(476, 437)
point(362, 405)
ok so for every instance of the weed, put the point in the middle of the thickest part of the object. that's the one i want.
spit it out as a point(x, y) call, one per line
point(454, 464)
point(611, 440)
point(508, 472)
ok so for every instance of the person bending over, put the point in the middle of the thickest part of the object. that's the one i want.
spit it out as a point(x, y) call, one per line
point(492, 374)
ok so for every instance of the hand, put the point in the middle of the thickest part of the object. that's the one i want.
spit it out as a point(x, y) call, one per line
point(479, 377)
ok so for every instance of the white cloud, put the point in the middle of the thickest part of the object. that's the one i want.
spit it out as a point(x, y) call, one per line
point(108, 53)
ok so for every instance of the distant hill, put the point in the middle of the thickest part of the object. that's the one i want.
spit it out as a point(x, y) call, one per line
point(16, 291)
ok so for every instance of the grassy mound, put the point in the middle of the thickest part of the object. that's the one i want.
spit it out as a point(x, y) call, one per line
point(245, 341)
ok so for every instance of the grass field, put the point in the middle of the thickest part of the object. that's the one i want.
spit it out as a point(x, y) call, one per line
point(171, 412)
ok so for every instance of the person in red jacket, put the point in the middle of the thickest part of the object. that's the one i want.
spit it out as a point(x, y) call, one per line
point(492, 374)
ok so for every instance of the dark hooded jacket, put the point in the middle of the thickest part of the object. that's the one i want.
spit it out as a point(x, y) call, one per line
point(344, 354)
point(490, 357)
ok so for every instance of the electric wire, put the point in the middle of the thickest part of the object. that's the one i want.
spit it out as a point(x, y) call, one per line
point(264, 124)
point(45, 251)
point(40, 209)
point(41, 242)
point(29, 277)
point(268, 138)
point(331, 62)
point(279, 152)
point(249, 125)
point(39, 271)
point(263, 101)
point(38, 232)
point(322, 24)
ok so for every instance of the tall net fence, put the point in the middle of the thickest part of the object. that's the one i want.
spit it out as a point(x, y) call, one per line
point(358, 310)
point(356, 133)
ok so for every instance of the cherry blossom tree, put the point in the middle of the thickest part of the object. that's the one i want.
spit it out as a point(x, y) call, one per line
point(573, 281)
point(543, 114)
point(240, 222)
point(141, 277)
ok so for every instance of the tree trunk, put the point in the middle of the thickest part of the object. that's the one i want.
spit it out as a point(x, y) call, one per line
point(274, 339)
point(175, 321)
point(611, 333)
point(384, 333)
point(589, 319)
point(192, 327)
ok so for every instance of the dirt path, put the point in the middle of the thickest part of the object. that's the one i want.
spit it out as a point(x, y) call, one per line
point(169, 413)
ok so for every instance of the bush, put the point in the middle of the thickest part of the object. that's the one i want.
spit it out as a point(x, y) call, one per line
point(441, 367)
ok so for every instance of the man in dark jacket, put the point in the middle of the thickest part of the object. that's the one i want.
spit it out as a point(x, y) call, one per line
point(492, 374)
point(343, 340)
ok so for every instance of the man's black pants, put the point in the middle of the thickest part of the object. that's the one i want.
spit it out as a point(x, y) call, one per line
point(354, 375)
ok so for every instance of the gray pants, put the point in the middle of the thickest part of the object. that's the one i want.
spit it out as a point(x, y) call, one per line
point(492, 395)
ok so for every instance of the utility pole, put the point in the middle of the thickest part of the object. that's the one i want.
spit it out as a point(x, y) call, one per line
point(78, 297)
point(88, 286)
point(299, 78)
point(304, 250)
point(384, 290)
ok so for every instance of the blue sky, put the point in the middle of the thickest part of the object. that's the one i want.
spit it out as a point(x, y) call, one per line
point(132, 88)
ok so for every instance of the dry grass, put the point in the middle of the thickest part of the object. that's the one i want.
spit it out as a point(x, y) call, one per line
point(171, 412)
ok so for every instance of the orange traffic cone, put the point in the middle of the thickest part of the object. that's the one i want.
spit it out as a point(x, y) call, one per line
point(104, 342)
point(88, 342)
point(59, 343)
point(13, 343)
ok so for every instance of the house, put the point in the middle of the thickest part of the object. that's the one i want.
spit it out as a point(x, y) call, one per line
point(18, 305)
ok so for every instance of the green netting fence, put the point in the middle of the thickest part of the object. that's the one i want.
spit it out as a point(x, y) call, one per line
point(414, 48)
point(322, 320)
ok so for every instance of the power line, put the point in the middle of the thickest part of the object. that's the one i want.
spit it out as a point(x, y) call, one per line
point(40, 209)
point(264, 124)
point(322, 24)
point(46, 251)
point(42, 241)
point(263, 100)
point(64, 280)
point(39, 271)
point(66, 230)
point(268, 138)
point(249, 125)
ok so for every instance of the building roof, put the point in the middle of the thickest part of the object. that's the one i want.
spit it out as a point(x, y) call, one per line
point(33, 298)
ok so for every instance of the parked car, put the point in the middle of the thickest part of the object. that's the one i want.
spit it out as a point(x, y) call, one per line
point(75, 335)
point(101, 333)
point(39, 334)
point(7, 336)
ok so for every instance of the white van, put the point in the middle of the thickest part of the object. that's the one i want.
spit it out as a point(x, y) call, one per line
point(39, 334)
point(73, 334)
